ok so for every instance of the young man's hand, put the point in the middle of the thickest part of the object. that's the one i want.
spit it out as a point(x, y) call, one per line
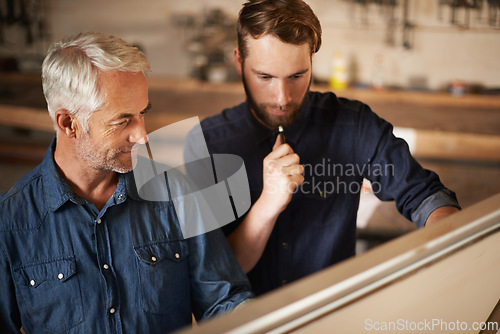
point(282, 174)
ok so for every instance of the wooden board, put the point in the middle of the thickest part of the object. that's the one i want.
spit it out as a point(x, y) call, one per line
point(449, 272)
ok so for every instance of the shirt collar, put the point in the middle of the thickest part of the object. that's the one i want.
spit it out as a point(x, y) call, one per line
point(127, 185)
point(57, 191)
point(260, 132)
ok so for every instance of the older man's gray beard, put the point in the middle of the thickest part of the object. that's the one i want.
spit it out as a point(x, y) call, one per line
point(273, 121)
point(101, 161)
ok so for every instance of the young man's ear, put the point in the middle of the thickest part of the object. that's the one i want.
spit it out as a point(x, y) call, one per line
point(238, 62)
point(66, 123)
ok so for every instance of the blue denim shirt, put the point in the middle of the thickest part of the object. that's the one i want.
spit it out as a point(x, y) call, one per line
point(66, 267)
point(339, 142)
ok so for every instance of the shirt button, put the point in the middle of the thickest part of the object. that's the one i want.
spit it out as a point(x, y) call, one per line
point(284, 245)
point(105, 266)
point(177, 255)
point(112, 310)
point(153, 259)
point(32, 282)
point(60, 276)
point(99, 221)
point(120, 197)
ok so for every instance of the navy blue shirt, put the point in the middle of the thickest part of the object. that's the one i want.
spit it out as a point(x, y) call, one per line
point(66, 267)
point(340, 142)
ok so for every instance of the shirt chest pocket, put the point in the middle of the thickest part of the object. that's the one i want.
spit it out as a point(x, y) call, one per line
point(320, 188)
point(163, 272)
point(50, 293)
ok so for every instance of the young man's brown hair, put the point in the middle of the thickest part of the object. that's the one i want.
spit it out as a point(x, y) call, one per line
point(292, 21)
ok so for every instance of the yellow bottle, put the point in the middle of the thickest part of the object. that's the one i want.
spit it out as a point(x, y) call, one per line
point(339, 75)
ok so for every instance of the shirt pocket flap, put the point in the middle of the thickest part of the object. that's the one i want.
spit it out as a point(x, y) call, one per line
point(54, 270)
point(155, 253)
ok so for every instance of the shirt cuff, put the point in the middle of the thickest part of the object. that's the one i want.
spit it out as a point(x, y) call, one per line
point(438, 199)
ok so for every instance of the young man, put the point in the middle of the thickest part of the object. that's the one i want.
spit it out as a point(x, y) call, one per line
point(305, 192)
point(80, 251)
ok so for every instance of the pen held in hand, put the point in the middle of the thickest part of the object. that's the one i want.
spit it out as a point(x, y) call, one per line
point(282, 134)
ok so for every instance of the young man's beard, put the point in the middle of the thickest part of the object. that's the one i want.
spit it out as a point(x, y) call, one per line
point(273, 121)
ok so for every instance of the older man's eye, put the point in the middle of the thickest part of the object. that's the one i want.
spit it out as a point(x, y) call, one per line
point(121, 123)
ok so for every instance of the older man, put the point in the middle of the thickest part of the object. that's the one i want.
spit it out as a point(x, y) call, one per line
point(80, 251)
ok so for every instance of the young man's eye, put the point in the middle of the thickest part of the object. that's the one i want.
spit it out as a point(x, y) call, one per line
point(264, 77)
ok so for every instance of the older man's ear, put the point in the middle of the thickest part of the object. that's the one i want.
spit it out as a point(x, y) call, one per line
point(66, 123)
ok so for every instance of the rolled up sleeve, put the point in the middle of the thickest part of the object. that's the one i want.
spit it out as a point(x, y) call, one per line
point(218, 283)
point(437, 200)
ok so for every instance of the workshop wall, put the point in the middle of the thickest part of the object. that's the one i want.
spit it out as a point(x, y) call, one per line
point(378, 42)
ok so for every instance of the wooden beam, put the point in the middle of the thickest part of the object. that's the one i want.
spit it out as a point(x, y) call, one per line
point(451, 145)
point(12, 153)
point(25, 118)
